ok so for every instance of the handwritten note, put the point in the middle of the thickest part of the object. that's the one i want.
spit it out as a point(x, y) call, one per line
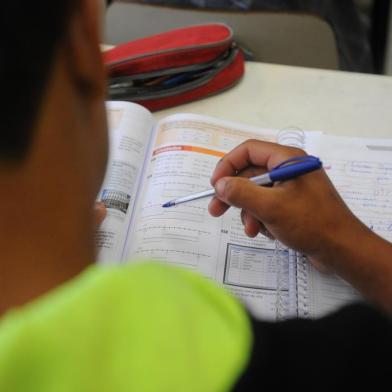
point(361, 170)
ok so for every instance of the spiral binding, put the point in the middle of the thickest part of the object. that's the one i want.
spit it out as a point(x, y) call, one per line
point(302, 285)
point(292, 137)
point(287, 272)
point(293, 288)
point(282, 271)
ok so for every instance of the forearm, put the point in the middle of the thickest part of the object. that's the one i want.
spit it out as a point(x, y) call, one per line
point(363, 259)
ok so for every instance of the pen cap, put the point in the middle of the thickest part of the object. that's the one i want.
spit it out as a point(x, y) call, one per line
point(293, 170)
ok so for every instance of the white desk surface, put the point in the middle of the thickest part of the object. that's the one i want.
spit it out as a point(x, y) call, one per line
point(278, 96)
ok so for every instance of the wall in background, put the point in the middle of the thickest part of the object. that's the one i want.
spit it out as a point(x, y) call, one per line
point(388, 65)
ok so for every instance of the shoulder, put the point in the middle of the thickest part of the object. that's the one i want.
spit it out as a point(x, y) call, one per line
point(111, 324)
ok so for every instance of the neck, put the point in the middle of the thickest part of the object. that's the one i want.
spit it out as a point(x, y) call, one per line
point(46, 202)
point(46, 229)
point(39, 250)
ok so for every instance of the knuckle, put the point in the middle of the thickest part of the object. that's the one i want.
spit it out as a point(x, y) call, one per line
point(248, 143)
point(287, 152)
point(251, 141)
point(295, 151)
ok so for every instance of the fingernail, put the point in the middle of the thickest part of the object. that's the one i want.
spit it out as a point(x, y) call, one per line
point(98, 205)
point(220, 187)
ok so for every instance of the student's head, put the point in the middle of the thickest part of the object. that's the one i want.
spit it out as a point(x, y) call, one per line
point(52, 90)
point(49, 61)
point(53, 141)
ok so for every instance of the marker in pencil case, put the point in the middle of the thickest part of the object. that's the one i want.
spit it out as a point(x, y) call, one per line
point(287, 170)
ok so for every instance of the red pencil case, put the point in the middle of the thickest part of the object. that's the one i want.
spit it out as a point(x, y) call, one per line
point(174, 67)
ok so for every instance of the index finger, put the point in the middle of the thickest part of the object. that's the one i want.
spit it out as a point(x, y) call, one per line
point(253, 153)
point(99, 213)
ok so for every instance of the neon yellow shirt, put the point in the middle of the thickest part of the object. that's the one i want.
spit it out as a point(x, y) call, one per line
point(138, 327)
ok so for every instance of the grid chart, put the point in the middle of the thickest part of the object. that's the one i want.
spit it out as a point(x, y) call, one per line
point(116, 200)
point(250, 267)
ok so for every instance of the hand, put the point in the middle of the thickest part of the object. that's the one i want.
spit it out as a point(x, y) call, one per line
point(306, 213)
point(99, 213)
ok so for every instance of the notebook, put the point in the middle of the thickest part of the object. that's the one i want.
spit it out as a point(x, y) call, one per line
point(153, 162)
point(361, 170)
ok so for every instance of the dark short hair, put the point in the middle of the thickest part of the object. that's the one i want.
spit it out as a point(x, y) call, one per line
point(30, 30)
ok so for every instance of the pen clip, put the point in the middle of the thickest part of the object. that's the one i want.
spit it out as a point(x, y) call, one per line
point(291, 161)
point(294, 167)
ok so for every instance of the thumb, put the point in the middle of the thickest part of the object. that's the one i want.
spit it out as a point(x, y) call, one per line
point(242, 193)
point(99, 213)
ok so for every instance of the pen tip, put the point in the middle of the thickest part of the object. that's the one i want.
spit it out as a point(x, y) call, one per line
point(168, 204)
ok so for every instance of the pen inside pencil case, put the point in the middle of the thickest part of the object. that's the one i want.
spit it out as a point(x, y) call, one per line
point(167, 81)
point(160, 81)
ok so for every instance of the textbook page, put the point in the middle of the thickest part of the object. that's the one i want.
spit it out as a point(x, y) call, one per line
point(130, 132)
point(361, 170)
point(183, 157)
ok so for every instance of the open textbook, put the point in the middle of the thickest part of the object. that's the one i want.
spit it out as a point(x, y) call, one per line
point(151, 163)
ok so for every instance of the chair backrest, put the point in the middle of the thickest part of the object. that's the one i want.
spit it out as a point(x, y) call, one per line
point(283, 38)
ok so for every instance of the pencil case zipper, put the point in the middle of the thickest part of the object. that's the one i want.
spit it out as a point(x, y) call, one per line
point(175, 67)
point(125, 59)
point(128, 92)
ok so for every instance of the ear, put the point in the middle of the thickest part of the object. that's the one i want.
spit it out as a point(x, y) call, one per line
point(83, 47)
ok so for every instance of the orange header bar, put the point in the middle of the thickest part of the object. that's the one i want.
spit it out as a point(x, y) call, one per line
point(200, 150)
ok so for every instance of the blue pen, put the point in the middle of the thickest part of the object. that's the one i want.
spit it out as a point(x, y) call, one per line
point(287, 170)
point(177, 80)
